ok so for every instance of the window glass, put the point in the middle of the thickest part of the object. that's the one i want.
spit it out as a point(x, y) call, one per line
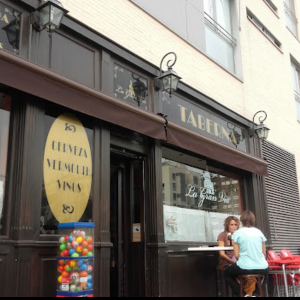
point(130, 87)
point(223, 14)
point(5, 107)
point(219, 49)
point(196, 212)
point(296, 82)
point(67, 184)
point(291, 19)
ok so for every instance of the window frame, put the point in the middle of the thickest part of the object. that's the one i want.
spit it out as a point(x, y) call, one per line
point(296, 79)
point(291, 14)
point(264, 30)
point(5, 219)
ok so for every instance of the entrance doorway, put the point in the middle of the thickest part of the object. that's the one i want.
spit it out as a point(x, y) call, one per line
point(127, 271)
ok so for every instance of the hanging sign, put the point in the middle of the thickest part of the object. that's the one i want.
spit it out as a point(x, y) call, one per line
point(67, 169)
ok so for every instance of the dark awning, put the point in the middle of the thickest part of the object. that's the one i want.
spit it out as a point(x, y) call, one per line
point(31, 78)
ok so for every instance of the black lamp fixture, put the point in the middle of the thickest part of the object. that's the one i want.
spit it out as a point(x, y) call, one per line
point(261, 130)
point(49, 15)
point(169, 80)
point(140, 90)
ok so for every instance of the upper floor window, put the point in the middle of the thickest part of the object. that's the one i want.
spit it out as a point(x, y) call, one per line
point(263, 29)
point(210, 26)
point(5, 104)
point(291, 19)
point(218, 32)
point(296, 81)
point(271, 5)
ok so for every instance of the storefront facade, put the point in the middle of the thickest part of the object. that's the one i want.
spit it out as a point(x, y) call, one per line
point(78, 145)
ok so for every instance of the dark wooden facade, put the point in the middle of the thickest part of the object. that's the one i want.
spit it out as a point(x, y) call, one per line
point(77, 55)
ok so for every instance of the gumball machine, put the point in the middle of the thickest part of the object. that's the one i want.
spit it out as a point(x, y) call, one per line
point(75, 260)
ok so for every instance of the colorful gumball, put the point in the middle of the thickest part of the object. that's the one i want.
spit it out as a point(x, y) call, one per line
point(71, 239)
point(62, 254)
point(67, 268)
point(85, 244)
point(85, 252)
point(63, 247)
point(83, 274)
point(59, 279)
point(74, 244)
point(90, 278)
point(69, 246)
point(61, 262)
point(90, 254)
point(60, 269)
point(90, 247)
point(89, 240)
point(71, 252)
point(79, 249)
point(62, 240)
point(83, 234)
point(79, 262)
point(72, 263)
point(83, 267)
point(75, 255)
point(66, 253)
point(65, 274)
point(89, 285)
point(79, 240)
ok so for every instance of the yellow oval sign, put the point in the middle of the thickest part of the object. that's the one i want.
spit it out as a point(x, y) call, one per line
point(67, 169)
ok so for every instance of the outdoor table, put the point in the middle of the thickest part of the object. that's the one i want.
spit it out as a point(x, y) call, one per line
point(285, 264)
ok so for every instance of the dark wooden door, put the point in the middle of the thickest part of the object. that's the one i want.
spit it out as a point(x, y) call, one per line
point(127, 226)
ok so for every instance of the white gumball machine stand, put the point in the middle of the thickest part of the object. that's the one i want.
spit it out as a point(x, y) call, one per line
point(75, 260)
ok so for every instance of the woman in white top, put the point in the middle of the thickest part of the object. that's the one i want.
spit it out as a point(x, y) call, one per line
point(250, 250)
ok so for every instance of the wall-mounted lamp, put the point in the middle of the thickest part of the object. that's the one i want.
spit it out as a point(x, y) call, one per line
point(169, 80)
point(140, 90)
point(49, 15)
point(261, 130)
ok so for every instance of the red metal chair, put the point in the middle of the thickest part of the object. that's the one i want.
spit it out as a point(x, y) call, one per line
point(286, 264)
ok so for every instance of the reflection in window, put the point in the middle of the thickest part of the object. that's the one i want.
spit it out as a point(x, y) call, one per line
point(130, 87)
point(204, 199)
point(9, 28)
point(5, 107)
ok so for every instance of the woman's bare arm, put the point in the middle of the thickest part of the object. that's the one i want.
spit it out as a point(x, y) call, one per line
point(236, 249)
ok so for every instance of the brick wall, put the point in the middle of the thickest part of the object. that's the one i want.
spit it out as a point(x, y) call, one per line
point(267, 81)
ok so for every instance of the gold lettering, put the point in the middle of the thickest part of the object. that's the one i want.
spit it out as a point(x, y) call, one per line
point(5, 19)
point(1, 46)
point(218, 130)
point(225, 133)
point(201, 121)
point(183, 113)
point(233, 138)
point(192, 120)
point(209, 126)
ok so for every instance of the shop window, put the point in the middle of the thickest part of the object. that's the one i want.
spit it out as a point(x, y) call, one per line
point(9, 28)
point(130, 87)
point(296, 82)
point(198, 212)
point(291, 19)
point(5, 107)
point(67, 185)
